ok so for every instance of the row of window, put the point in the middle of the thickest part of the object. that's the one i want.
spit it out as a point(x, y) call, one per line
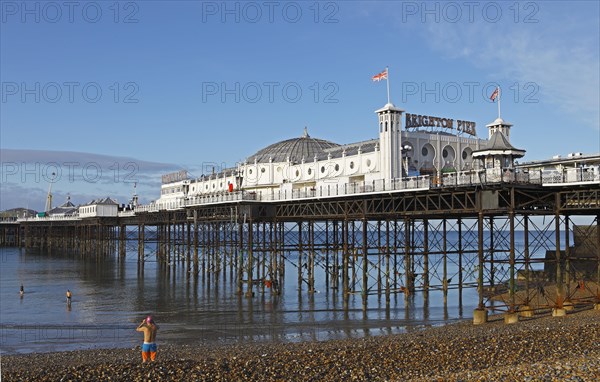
point(309, 171)
point(323, 169)
point(170, 190)
point(425, 152)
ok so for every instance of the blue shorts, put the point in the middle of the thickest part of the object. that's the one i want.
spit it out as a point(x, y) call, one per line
point(149, 347)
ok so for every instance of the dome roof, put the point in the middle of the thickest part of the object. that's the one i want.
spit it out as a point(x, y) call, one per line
point(295, 149)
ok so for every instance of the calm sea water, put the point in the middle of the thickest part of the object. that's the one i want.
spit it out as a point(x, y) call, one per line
point(110, 297)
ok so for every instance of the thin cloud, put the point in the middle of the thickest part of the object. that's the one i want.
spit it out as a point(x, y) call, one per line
point(562, 60)
point(48, 156)
point(27, 174)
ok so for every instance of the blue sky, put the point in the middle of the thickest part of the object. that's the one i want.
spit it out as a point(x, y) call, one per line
point(197, 84)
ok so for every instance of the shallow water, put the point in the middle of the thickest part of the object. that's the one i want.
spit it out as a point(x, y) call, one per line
point(110, 297)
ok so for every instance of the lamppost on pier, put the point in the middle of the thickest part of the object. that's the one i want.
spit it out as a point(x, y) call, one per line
point(239, 178)
point(406, 149)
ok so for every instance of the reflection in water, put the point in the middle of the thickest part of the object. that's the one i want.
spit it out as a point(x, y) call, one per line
point(113, 293)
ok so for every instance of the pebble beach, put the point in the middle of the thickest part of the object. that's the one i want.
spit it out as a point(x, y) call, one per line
point(542, 348)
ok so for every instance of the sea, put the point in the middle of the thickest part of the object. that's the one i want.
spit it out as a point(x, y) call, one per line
point(111, 296)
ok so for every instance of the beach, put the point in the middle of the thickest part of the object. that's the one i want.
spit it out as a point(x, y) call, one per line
point(542, 348)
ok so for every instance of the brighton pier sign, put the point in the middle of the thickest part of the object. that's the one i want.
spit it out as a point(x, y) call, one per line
point(414, 120)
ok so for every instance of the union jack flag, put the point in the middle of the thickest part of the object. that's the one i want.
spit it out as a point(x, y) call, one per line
point(381, 76)
point(495, 94)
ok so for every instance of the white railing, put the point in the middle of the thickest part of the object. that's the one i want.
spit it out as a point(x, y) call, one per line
point(496, 175)
point(571, 175)
point(50, 218)
point(344, 189)
point(220, 198)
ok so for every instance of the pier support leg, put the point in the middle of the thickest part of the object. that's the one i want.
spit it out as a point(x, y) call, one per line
point(511, 262)
point(365, 275)
point(196, 242)
point(426, 259)
point(250, 268)
point(480, 315)
point(511, 318)
point(387, 266)
point(240, 259)
point(345, 256)
point(558, 310)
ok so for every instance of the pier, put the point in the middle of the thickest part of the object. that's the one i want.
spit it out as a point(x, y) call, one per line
point(415, 235)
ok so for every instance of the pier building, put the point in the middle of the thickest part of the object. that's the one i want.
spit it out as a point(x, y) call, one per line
point(407, 145)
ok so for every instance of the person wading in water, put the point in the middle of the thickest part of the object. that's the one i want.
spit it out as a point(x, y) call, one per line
point(69, 295)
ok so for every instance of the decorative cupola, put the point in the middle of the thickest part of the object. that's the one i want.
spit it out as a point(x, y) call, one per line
point(499, 153)
point(499, 125)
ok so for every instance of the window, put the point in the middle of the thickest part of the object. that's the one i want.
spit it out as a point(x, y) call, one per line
point(322, 169)
point(464, 155)
point(262, 170)
point(309, 171)
point(424, 151)
point(337, 167)
point(445, 153)
point(351, 165)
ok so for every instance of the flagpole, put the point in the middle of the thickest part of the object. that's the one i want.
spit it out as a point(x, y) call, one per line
point(499, 97)
point(387, 80)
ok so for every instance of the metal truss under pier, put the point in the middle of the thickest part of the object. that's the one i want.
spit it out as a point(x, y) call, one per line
point(525, 248)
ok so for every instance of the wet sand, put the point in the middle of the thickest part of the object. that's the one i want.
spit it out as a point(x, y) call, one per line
point(543, 348)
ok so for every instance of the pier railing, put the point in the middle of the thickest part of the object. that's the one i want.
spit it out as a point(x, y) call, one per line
point(585, 175)
point(51, 218)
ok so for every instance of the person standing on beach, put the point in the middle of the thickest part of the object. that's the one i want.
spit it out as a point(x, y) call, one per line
point(69, 295)
point(149, 346)
point(22, 291)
